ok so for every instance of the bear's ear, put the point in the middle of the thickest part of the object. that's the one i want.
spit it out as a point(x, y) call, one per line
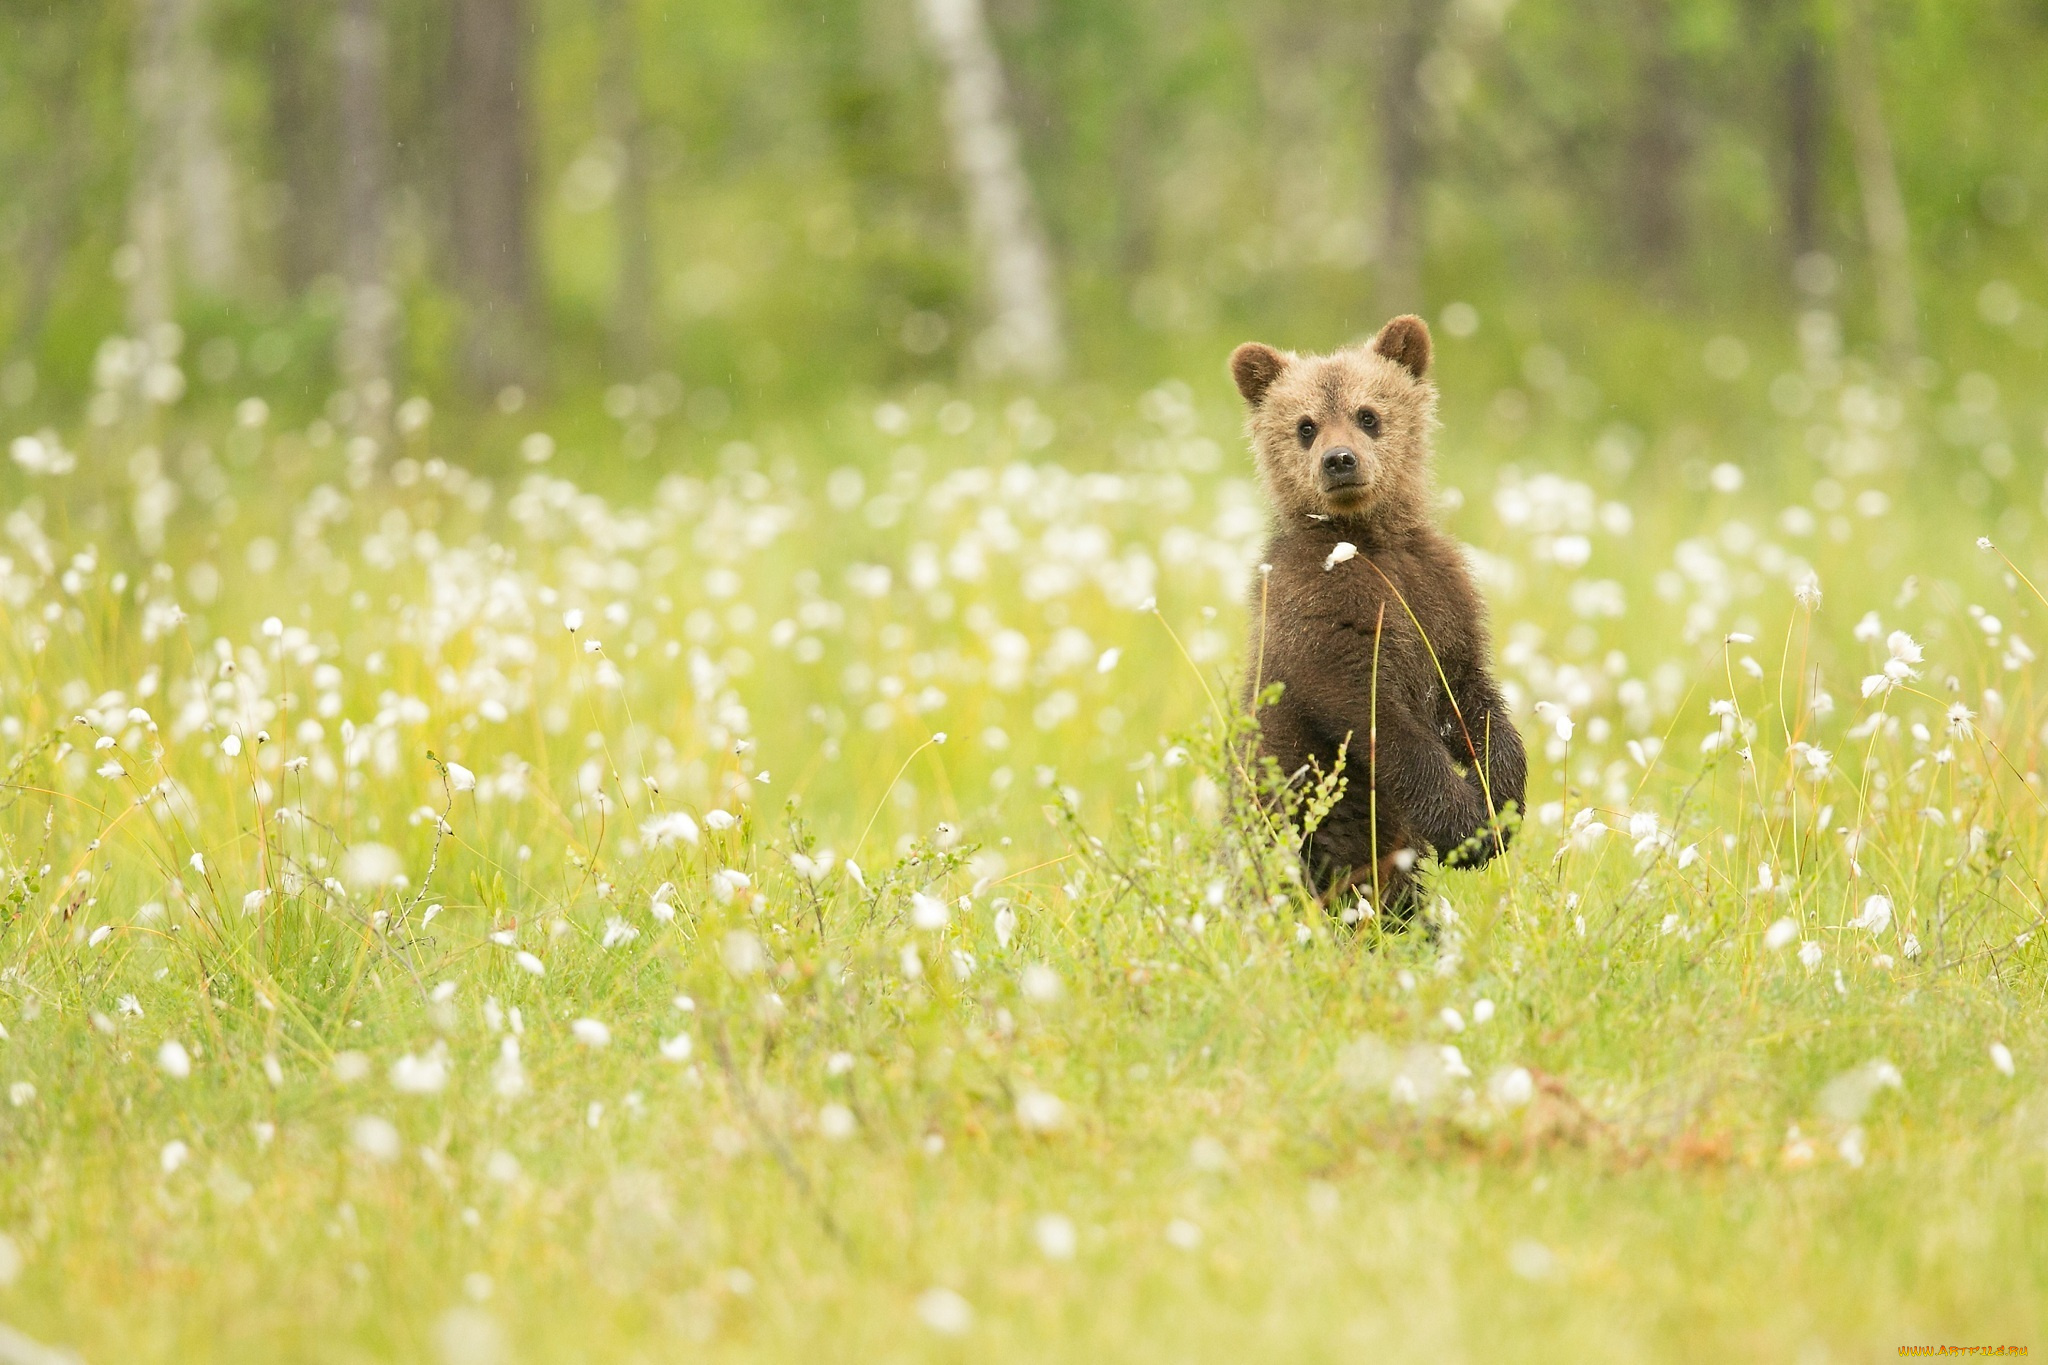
point(1405, 341)
point(1255, 367)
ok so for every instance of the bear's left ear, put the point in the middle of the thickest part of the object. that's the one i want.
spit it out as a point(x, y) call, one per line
point(1405, 341)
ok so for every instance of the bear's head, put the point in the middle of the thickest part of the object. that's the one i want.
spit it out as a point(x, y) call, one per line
point(1344, 436)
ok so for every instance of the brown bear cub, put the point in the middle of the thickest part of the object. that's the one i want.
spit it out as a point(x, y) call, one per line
point(1369, 620)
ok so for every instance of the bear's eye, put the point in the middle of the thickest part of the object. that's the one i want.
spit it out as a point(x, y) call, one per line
point(1368, 421)
point(1306, 430)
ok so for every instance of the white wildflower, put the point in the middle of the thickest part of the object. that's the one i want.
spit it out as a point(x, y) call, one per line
point(744, 955)
point(412, 1075)
point(836, 1122)
point(1512, 1087)
point(508, 1076)
point(1039, 1111)
point(376, 1138)
point(1040, 983)
point(668, 828)
point(1905, 652)
point(945, 1312)
point(928, 912)
point(1555, 716)
point(1056, 1237)
point(1876, 915)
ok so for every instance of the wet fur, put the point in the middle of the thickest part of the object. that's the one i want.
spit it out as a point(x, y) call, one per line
point(1313, 629)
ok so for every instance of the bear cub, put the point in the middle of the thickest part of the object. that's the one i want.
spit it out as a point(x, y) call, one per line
point(1368, 618)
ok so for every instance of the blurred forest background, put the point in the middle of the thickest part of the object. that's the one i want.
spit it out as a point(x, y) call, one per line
point(685, 219)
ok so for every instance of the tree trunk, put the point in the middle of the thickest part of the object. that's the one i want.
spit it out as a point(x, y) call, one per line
point(1657, 146)
point(490, 239)
point(1017, 272)
point(632, 305)
point(146, 267)
point(1404, 152)
point(368, 309)
point(1877, 181)
point(1803, 144)
point(206, 174)
point(305, 242)
point(183, 193)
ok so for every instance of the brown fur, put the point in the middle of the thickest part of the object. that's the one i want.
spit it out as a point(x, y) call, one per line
point(1427, 770)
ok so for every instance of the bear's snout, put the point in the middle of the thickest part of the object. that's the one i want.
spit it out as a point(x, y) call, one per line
point(1340, 469)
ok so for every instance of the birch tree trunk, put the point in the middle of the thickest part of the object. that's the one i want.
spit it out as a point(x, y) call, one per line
point(183, 193)
point(1877, 181)
point(490, 240)
point(368, 309)
point(206, 174)
point(1023, 336)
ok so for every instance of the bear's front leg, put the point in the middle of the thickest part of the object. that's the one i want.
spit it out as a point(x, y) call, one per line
point(1482, 738)
point(1420, 790)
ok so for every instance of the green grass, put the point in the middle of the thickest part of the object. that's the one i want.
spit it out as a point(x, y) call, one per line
point(1137, 1098)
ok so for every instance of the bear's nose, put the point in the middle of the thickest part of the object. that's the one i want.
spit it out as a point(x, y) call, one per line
point(1339, 461)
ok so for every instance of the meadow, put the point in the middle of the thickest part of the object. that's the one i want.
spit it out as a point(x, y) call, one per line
point(477, 893)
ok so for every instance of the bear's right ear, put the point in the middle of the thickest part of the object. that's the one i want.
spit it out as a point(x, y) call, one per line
point(1255, 367)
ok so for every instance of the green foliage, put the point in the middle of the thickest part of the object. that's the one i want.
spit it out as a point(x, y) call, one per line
point(1205, 172)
